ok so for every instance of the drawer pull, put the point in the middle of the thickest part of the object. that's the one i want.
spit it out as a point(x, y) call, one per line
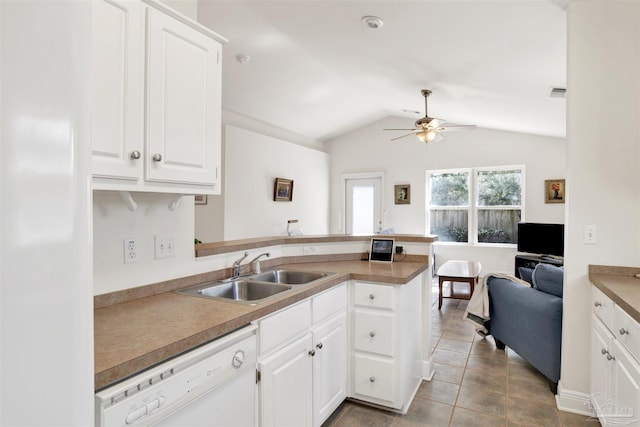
point(372, 297)
point(597, 304)
point(372, 379)
point(623, 331)
point(372, 334)
point(319, 345)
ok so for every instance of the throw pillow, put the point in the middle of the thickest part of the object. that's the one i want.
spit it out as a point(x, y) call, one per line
point(548, 278)
point(525, 274)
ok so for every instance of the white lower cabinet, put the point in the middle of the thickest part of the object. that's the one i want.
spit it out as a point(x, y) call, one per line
point(386, 343)
point(285, 386)
point(302, 365)
point(615, 367)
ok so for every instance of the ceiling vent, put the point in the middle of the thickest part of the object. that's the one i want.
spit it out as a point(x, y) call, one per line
point(372, 22)
point(558, 92)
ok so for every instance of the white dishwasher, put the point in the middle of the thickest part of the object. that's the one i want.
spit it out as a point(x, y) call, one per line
point(213, 385)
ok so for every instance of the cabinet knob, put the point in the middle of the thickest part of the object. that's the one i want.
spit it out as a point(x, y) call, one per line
point(372, 296)
point(319, 345)
point(135, 155)
point(157, 157)
point(597, 304)
point(312, 353)
point(372, 334)
point(604, 351)
point(610, 357)
point(623, 331)
point(372, 379)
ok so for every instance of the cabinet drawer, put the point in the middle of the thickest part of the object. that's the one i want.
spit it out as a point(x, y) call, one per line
point(378, 296)
point(328, 303)
point(374, 378)
point(374, 332)
point(627, 331)
point(284, 325)
point(602, 307)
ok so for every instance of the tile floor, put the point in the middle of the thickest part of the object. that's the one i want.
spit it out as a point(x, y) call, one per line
point(475, 384)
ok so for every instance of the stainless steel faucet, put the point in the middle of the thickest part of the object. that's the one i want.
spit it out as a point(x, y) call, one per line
point(256, 262)
point(236, 265)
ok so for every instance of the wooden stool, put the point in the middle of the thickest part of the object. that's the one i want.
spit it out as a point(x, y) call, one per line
point(458, 271)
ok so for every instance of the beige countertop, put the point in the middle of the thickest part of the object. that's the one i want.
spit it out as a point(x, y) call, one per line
point(619, 284)
point(134, 335)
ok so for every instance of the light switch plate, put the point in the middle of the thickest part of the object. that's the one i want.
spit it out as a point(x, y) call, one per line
point(590, 235)
point(165, 247)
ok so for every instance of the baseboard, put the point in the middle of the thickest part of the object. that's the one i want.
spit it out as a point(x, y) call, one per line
point(427, 369)
point(573, 401)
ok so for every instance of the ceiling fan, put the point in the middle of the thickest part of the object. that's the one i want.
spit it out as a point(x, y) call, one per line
point(428, 128)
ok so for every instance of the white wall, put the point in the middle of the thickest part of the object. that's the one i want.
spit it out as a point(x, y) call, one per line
point(46, 302)
point(252, 162)
point(210, 217)
point(603, 153)
point(186, 7)
point(407, 160)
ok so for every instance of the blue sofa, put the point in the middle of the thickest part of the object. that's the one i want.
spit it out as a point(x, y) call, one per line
point(529, 320)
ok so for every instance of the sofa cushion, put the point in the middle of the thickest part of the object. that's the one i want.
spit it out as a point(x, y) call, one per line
point(525, 274)
point(548, 278)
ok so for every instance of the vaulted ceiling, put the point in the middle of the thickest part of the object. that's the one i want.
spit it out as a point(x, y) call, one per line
point(315, 69)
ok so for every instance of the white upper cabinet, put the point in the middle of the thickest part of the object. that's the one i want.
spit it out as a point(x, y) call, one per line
point(117, 114)
point(156, 128)
point(183, 103)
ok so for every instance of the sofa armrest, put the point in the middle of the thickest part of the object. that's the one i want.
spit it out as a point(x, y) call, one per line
point(529, 322)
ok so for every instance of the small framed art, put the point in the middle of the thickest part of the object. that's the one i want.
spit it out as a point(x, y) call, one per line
point(554, 191)
point(403, 194)
point(283, 190)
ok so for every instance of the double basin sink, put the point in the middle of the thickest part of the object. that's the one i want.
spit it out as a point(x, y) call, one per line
point(256, 288)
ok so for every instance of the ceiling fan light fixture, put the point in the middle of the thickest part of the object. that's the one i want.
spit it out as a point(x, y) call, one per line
point(427, 135)
point(372, 22)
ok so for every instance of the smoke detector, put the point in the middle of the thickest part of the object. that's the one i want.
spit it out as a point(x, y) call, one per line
point(243, 59)
point(372, 22)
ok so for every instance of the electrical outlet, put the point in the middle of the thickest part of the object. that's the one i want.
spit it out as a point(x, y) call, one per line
point(165, 246)
point(130, 250)
point(590, 235)
point(308, 250)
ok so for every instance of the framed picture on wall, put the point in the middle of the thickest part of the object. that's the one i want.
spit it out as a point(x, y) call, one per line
point(283, 190)
point(554, 191)
point(403, 194)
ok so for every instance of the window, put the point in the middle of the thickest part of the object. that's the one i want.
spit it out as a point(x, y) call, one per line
point(487, 201)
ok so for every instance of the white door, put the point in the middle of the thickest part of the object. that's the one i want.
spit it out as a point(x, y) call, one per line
point(183, 103)
point(117, 89)
point(286, 386)
point(363, 205)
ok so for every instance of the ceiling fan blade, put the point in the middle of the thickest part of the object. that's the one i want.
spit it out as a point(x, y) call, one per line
point(399, 137)
point(398, 129)
point(454, 128)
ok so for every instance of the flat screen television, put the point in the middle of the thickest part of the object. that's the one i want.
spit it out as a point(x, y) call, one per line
point(541, 239)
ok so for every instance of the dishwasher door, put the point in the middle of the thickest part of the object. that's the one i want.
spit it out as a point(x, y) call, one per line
point(231, 405)
point(211, 386)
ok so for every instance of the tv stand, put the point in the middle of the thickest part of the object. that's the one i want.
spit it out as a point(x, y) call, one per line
point(530, 261)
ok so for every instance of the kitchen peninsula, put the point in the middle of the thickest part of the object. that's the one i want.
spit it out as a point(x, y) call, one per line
point(140, 327)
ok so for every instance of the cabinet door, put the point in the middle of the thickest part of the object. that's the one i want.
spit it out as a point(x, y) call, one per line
point(329, 368)
point(601, 367)
point(624, 405)
point(286, 386)
point(183, 103)
point(117, 88)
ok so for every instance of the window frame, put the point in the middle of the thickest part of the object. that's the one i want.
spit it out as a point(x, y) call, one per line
point(473, 207)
